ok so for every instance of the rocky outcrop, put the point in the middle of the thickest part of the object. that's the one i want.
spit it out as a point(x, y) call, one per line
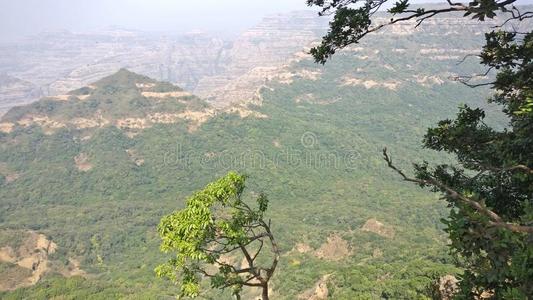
point(6, 127)
point(82, 162)
point(334, 249)
point(446, 287)
point(375, 226)
point(257, 53)
point(8, 174)
point(28, 260)
point(319, 291)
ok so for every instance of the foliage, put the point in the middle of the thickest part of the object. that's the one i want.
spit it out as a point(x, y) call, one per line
point(491, 189)
point(216, 224)
point(498, 259)
point(353, 18)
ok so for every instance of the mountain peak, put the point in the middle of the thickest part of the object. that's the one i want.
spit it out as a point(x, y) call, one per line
point(125, 99)
point(124, 77)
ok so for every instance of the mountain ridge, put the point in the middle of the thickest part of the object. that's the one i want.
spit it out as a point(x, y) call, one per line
point(127, 100)
point(213, 68)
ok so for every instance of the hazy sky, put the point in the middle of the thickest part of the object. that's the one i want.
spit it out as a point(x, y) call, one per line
point(24, 17)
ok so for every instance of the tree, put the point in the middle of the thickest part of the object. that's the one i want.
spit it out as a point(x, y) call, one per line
point(490, 188)
point(213, 233)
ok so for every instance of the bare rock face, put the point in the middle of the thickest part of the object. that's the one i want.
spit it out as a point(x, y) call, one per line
point(377, 253)
point(375, 226)
point(302, 248)
point(446, 287)
point(82, 162)
point(27, 260)
point(8, 174)
point(335, 249)
point(319, 291)
point(257, 53)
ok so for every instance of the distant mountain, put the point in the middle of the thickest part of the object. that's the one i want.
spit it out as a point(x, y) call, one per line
point(58, 62)
point(126, 100)
point(14, 91)
point(213, 68)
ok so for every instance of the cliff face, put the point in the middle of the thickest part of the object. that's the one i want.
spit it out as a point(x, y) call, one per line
point(218, 70)
point(276, 50)
point(257, 52)
point(57, 62)
point(62, 61)
point(179, 60)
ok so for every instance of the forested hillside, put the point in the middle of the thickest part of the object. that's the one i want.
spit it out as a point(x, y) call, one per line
point(85, 177)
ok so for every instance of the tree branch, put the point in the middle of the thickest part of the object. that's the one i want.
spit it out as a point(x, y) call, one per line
point(250, 262)
point(465, 79)
point(520, 167)
point(258, 250)
point(516, 15)
point(495, 219)
point(275, 249)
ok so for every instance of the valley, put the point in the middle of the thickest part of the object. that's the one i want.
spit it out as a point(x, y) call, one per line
point(220, 70)
point(128, 124)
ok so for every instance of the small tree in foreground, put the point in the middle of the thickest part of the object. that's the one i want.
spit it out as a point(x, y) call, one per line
point(213, 234)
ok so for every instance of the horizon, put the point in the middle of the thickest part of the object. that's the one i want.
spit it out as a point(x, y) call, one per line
point(30, 17)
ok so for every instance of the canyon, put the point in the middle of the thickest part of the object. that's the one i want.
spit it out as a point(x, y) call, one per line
point(54, 63)
point(220, 70)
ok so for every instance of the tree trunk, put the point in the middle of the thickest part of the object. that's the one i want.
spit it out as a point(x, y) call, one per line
point(264, 295)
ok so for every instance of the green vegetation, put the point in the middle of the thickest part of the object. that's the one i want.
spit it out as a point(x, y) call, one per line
point(318, 157)
point(113, 97)
point(490, 188)
point(491, 226)
point(213, 234)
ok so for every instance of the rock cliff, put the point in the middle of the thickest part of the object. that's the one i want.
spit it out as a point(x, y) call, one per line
point(223, 71)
